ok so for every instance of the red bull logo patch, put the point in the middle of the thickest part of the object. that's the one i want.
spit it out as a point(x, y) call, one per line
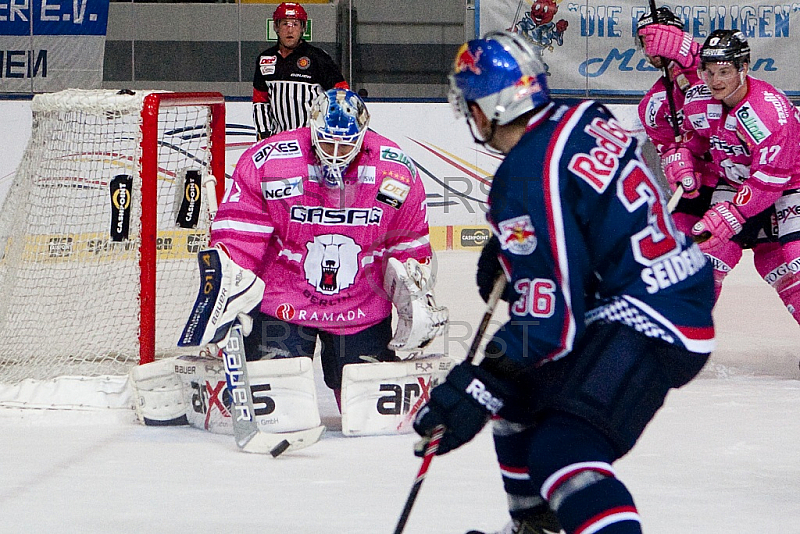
point(517, 235)
point(467, 61)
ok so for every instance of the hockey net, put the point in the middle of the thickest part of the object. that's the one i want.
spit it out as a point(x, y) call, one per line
point(100, 229)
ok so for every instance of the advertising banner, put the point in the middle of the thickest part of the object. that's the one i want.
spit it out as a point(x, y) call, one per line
point(589, 47)
point(457, 173)
point(50, 45)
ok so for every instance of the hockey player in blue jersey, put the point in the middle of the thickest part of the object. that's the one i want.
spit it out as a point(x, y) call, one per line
point(610, 306)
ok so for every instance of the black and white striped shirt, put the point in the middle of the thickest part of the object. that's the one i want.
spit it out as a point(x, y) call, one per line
point(285, 87)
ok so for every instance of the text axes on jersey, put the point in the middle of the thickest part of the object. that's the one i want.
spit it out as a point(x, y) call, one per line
point(276, 150)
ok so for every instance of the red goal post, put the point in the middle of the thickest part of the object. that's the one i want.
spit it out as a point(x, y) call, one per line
point(100, 229)
point(153, 103)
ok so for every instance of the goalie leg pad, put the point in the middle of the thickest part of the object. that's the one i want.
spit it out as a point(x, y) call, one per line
point(185, 390)
point(192, 390)
point(158, 394)
point(419, 320)
point(383, 398)
point(284, 394)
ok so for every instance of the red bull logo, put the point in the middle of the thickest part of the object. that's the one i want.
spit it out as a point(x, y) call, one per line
point(466, 60)
point(517, 235)
point(525, 86)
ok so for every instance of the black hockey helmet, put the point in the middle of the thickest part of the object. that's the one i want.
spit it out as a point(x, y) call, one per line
point(663, 16)
point(725, 46)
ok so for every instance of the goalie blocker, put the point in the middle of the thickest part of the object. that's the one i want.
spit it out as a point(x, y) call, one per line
point(377, 398)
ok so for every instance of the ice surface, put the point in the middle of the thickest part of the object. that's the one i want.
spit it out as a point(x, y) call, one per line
point(721, 457)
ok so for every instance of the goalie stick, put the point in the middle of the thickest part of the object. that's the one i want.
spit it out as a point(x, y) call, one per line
point(432, 444)
point(245, 428)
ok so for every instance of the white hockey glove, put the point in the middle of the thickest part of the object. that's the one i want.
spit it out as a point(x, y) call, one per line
point(227, 292)
point(420, 320)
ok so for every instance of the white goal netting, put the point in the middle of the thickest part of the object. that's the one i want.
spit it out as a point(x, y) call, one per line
point(72, 299)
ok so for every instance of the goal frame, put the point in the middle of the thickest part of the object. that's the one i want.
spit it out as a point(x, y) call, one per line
point(148, 165)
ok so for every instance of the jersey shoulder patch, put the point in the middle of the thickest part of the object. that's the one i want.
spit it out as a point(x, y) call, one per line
point(752, 123)
point(278, 149)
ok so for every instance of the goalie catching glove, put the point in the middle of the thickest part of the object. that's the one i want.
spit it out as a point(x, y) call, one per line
point(410, 287)
point(227, 292)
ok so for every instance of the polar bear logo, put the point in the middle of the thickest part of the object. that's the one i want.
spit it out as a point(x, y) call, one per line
point(331, 264)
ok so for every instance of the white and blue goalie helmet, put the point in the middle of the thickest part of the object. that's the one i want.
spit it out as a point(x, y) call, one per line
point(339, 121)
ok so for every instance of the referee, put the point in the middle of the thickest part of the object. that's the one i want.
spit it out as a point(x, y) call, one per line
point(290, 75)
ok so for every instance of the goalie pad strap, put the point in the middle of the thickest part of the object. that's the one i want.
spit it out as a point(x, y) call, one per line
point(158, 394)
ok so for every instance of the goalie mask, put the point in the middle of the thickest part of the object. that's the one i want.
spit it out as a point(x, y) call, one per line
point(502, 74)
point(339, 120)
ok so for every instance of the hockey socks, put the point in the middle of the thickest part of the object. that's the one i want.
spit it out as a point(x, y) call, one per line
point(603, 507)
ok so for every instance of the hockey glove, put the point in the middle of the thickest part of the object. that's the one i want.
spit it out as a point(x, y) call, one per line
point(678, 164)
point(227, 292)
point(718, 225)
point(419, 319)
point(661, 40)
point(462, 403)
point(489, 269)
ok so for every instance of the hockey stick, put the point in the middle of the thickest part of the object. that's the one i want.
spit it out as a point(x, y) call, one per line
point(245, 428)
point(673, 113)
point(432, 444)
point(430, 451)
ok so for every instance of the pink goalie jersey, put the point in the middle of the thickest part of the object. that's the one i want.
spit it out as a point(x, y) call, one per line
point(321, 251)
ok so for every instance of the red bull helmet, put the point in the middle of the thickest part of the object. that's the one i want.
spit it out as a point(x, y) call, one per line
point(502, 73)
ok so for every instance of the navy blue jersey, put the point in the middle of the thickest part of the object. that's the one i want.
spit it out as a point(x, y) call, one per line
point(586, 236)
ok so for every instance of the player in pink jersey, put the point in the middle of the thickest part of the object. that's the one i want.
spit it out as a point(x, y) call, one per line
point(333, 219)
point(752, 131)
point(678, 59)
